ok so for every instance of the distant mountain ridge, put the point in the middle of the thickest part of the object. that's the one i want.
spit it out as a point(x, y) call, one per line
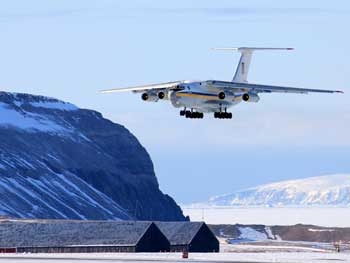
point(327, 190)
point(59, 161)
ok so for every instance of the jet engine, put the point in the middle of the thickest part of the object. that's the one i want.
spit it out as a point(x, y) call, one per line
point(161, 95)
point(250, 97)
point(222, 95)
point(149, 97)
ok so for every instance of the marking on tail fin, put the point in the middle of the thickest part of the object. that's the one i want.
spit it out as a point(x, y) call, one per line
point(242, 70)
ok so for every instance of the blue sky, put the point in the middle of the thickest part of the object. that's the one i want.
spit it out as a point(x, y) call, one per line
point(72, 49)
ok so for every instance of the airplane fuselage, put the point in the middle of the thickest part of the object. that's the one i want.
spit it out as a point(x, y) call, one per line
point(198, 96)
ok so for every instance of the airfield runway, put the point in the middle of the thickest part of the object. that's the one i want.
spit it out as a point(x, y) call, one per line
point(177, 257)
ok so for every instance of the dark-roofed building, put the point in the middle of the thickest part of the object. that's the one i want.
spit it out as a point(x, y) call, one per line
point(81, 236)
point(189, 236)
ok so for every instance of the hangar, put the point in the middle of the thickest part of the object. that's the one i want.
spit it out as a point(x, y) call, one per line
point(57, 236)
point(189, 236)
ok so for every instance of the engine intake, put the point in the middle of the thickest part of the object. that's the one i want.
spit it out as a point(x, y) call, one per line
point(222, 95)
point(144, 96)
point(149, 97)
point(161, 95)
point(250, 97)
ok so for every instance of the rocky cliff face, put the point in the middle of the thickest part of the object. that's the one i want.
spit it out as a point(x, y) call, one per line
point(59, 161)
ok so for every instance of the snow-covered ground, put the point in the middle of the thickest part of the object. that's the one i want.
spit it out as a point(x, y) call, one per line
point(321, 216)
point(251, 234)
point(176, 257)
point(326, 190)
point(29, 121)
point(322, 200)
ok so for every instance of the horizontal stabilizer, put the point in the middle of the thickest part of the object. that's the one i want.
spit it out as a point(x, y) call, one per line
point(252, 48)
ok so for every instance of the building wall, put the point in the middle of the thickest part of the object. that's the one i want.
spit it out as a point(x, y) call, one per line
point(153, 241)
point(204, 241)
point(179, 248)
point(76, 249)
point(8, 250)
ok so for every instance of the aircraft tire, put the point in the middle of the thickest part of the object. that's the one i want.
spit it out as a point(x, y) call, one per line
point(221, 115)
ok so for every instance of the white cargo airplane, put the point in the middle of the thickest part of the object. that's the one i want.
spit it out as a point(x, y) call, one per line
point(199, 97)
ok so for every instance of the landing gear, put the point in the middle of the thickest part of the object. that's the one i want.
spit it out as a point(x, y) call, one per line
point(222, 115)
point(194, 115)
point(191, 114)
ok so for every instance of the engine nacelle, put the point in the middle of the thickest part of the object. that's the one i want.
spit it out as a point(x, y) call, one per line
point(222, 95)
point(250, 97)
point(149, 97)
point(161, 95)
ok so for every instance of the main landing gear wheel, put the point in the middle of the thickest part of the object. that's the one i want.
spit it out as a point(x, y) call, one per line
point(192, 114)
point(222, 115)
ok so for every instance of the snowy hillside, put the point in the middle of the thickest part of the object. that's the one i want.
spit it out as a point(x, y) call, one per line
point(59, 161)
point(330, 190)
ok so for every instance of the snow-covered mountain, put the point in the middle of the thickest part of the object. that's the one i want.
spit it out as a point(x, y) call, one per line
point(59, 161)
point(330, 190)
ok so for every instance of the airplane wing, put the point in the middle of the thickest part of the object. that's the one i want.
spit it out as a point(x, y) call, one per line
point(168, 85)
point(257, 88)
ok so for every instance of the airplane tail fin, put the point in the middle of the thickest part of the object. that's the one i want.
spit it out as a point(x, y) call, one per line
point(241, 73)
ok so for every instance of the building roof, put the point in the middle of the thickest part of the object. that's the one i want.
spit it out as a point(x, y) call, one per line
point(179, 233)
point(16, 233)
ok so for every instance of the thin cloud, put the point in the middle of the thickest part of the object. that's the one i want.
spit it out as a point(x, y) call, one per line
point(232, 14)
point(41, 15)
point(132, 13)
point(243, 11)
point(59, 12)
